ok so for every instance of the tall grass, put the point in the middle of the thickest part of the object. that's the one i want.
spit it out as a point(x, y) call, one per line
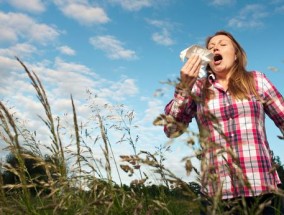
point(67, 175)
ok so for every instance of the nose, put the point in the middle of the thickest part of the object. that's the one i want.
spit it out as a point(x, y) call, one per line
point(215, 48)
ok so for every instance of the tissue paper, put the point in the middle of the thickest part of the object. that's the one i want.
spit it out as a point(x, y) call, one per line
point(205, 55)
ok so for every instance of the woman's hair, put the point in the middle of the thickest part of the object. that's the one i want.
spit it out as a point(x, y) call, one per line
point(241, 83)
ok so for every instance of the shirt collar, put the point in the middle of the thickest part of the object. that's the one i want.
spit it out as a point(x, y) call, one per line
point(211, 78)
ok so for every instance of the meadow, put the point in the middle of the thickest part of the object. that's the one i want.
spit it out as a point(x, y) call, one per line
point(54, 178)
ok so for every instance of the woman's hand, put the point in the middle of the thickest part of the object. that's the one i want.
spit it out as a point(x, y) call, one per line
point(189, 72)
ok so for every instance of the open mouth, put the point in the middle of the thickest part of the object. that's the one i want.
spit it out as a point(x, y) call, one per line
point(218, 57)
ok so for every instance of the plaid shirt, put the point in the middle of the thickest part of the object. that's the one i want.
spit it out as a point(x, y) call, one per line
point(240, 160)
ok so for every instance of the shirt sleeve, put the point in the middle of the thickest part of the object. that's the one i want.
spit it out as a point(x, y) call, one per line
point(273, 102)
point(179, 113)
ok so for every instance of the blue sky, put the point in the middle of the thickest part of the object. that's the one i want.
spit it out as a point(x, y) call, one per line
point(122, 50)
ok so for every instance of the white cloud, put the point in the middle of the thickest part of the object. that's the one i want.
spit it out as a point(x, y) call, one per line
point(67, 50)
point(160, 23)
point(276, 1)
point(66, 78)
point(59, 84)
point(163, 36)
point(154, 109)
point(118, 90)
point(72, 78)
point(280, 9)
point(12, 80)
point(8, 64)
point(19, 50)
point(122, 89)
point(133, 5)
point(16, 26)
point(112, 47)
point(249, 17)
point(36, 6)
point(71, 67)
point(222, 2)
point(83, 13)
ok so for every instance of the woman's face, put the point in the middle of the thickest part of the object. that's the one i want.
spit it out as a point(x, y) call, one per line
point(224, 54)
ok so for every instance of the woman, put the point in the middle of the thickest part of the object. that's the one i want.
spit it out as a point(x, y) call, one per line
point(229, 106)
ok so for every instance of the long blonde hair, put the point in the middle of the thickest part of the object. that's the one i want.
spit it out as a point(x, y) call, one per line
point(241, 83)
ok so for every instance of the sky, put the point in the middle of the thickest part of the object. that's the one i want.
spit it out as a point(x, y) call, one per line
point(123, 52)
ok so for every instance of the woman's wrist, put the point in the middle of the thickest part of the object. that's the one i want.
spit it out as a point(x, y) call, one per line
point(183, 89)
point(185, 86)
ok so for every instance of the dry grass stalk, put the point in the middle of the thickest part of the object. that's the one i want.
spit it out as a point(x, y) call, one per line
point(41, 95)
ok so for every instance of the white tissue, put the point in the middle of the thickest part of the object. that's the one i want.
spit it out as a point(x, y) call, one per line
point(205, 55)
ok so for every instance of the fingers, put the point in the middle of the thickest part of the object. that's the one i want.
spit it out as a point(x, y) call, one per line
point(192, 66)
point(195, 65)
point(190, 70)
point(191, 61)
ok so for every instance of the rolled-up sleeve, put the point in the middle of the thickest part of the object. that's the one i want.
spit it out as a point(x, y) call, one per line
point(273, 102)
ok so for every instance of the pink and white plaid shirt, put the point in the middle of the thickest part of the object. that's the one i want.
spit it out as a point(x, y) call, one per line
point(240, 128)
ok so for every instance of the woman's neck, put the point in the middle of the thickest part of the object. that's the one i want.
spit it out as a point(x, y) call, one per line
point(223, 80)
